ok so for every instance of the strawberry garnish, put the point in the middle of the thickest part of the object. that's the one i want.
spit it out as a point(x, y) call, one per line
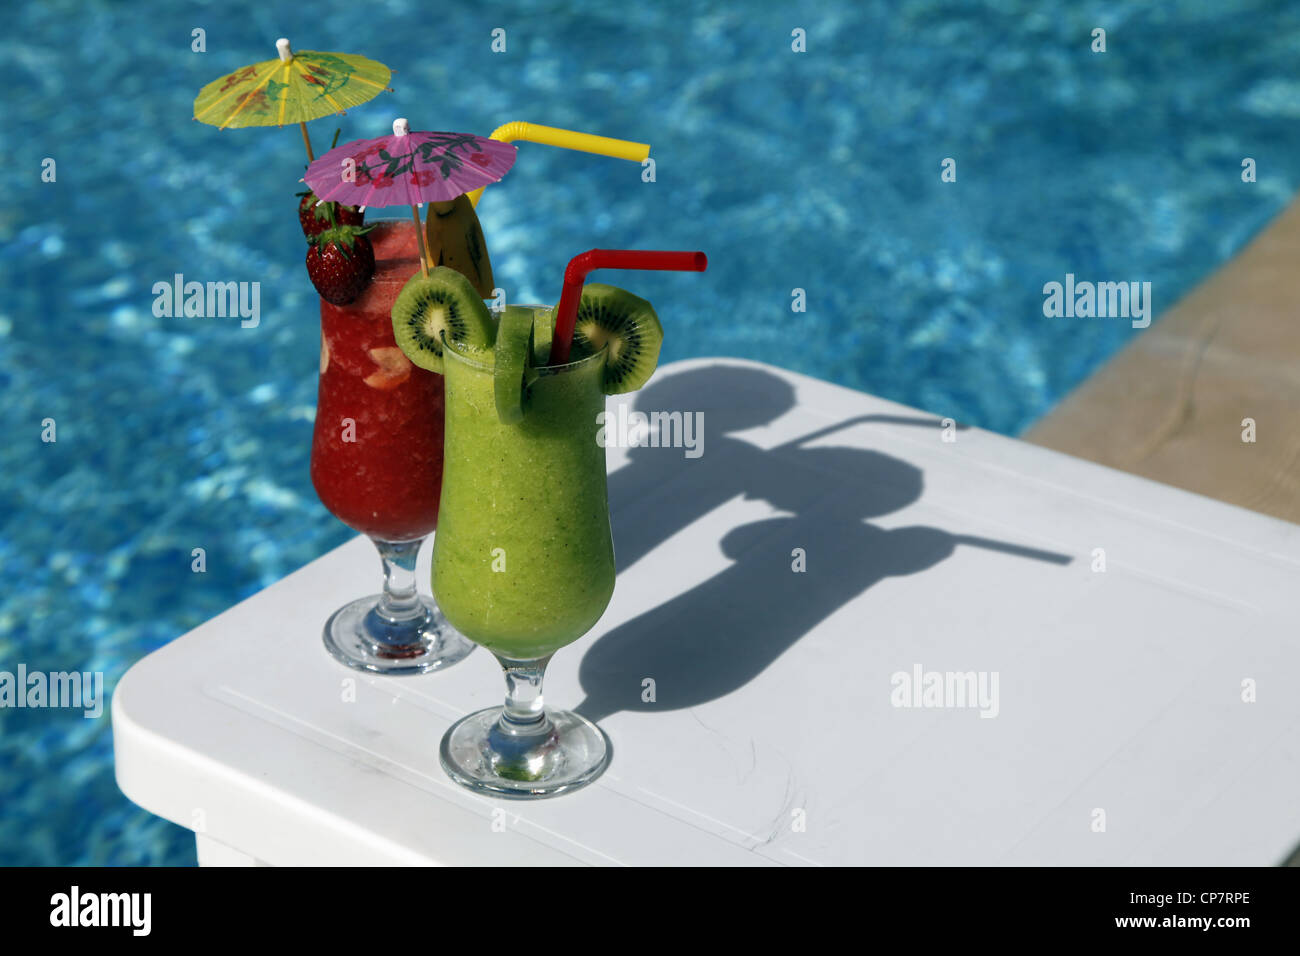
point(340, 263)
point(315, 219)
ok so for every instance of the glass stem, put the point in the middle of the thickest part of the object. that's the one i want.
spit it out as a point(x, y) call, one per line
point(400, 600)
point(524, 714)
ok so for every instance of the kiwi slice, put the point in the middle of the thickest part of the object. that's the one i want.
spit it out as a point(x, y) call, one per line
point(543, 334)
point(444, 301)
point(626, 326)
point(513, 349)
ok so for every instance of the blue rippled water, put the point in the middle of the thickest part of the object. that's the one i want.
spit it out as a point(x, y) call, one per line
point(817, 171)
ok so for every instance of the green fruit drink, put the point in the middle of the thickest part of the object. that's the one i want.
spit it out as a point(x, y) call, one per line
point(524, 559)
point(523, 562)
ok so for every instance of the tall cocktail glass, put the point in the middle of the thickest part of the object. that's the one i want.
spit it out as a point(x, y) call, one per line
point(376, 463)
point(523, 564)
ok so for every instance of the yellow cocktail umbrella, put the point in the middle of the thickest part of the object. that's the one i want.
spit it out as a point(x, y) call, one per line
point(294, 88)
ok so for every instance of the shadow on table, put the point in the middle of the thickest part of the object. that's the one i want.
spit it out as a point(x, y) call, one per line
point(731, 399)
point(715, 638)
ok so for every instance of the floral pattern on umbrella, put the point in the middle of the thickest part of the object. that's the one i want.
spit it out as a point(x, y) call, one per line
point(409, 168)
point(307, 85)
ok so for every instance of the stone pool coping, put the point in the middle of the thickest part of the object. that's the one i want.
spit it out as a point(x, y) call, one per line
point(1170, 406)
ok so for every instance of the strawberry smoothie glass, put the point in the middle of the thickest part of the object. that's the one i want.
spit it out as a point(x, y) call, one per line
point(376, 463)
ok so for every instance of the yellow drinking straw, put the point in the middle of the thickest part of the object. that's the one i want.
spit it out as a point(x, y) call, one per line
point(566, 139)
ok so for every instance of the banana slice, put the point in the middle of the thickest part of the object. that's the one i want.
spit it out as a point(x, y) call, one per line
point(454, 239)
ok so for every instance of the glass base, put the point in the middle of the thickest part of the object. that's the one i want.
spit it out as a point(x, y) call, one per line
point(569, 752)
point(358, 636)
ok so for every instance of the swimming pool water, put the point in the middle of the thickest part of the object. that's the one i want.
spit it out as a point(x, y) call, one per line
point(818, 171)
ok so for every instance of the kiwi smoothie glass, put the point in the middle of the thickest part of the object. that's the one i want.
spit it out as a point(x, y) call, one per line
point(523, 563)
point(376, 464)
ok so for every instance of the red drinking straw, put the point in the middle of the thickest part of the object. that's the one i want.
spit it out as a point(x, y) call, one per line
point(591, 260)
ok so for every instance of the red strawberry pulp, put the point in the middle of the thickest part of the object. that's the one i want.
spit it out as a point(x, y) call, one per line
point(387, 480)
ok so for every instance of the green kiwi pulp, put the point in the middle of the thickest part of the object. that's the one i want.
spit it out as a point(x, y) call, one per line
point(512, 352)
point(443, 302)
point(626, 326)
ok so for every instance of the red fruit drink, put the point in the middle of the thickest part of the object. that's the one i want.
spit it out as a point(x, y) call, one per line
point(376, 456)
point(376, 462)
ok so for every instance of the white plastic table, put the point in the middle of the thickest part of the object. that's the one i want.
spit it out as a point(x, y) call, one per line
point(1143, 640)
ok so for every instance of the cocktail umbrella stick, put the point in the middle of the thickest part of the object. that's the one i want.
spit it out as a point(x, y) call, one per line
point(306, 141)
point(419, 237)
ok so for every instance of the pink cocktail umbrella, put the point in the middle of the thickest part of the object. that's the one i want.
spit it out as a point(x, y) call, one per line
point(409, 169)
